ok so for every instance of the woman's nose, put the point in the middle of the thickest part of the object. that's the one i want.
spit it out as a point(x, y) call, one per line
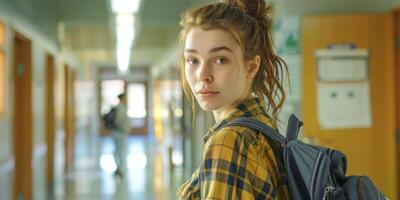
point(204, 74)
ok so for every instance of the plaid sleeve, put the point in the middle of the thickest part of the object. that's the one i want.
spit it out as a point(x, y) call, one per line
point(190, 189)
point(231, 170)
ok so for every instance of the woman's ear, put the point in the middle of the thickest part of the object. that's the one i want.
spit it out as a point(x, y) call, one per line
point(253, 66)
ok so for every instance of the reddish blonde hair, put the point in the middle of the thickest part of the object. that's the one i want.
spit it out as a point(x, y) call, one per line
point(249, 24)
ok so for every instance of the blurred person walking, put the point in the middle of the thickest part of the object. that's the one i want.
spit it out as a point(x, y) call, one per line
point(119, 134)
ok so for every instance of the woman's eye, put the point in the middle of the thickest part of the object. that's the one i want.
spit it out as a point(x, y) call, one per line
point(191, 61)
point(221, 60)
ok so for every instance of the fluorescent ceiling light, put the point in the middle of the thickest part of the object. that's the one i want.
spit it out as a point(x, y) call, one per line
point(123, 57)
point(125, 34)
point(125, 19)
point(125, 6)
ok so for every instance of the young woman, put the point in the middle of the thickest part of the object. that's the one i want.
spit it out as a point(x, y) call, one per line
point(229, 66)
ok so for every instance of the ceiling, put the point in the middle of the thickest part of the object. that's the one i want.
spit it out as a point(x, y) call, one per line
point(88, 22)
point(85, 26)
point(88, 28)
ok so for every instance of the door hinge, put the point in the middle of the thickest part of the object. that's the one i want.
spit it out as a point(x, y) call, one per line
point(20, 196)
point(20, 69)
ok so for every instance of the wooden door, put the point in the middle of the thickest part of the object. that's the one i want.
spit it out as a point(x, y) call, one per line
point(396, 14)
point(69, 116)
point(22, 118)
point(370, 151)
point(50, 116)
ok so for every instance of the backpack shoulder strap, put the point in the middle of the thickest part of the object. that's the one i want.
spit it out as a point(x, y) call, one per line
point(258, 126)
point(293, 128)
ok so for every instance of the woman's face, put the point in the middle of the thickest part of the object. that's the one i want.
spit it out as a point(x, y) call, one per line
point(215, 69)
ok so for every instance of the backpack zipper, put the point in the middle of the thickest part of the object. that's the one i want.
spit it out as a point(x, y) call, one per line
point(360, 182)
point(328, 192)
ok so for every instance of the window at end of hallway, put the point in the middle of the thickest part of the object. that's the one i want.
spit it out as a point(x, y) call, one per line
point(137, 100)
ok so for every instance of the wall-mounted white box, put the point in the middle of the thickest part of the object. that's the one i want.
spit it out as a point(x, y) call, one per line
point(344, 105)
point(343, 96)
point(342, 65)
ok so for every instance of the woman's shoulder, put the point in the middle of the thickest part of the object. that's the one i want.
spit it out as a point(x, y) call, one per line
point(241, 132)
point(235, 134)
point(243, 141)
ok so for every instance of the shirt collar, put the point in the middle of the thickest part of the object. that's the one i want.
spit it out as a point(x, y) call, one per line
point(250, 107)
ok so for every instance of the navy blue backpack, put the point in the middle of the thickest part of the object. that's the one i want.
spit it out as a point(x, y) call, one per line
point(109, 119)
point(313, 172)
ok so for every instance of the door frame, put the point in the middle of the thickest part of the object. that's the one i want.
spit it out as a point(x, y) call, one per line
point(22, 116)
point(396, 16)
point(50, 116)
point(69, 115)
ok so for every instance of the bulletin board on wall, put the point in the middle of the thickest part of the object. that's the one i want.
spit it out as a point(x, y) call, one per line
point(3, 76)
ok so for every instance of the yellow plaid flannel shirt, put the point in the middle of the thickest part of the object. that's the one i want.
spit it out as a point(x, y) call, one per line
point(238, 163)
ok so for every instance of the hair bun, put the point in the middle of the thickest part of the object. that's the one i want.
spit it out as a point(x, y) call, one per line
point(255, 8)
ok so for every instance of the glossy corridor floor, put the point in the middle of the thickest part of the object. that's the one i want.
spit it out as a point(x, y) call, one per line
point(148, 174)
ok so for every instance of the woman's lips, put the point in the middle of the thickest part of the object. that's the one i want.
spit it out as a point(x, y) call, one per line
point(206, 93)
